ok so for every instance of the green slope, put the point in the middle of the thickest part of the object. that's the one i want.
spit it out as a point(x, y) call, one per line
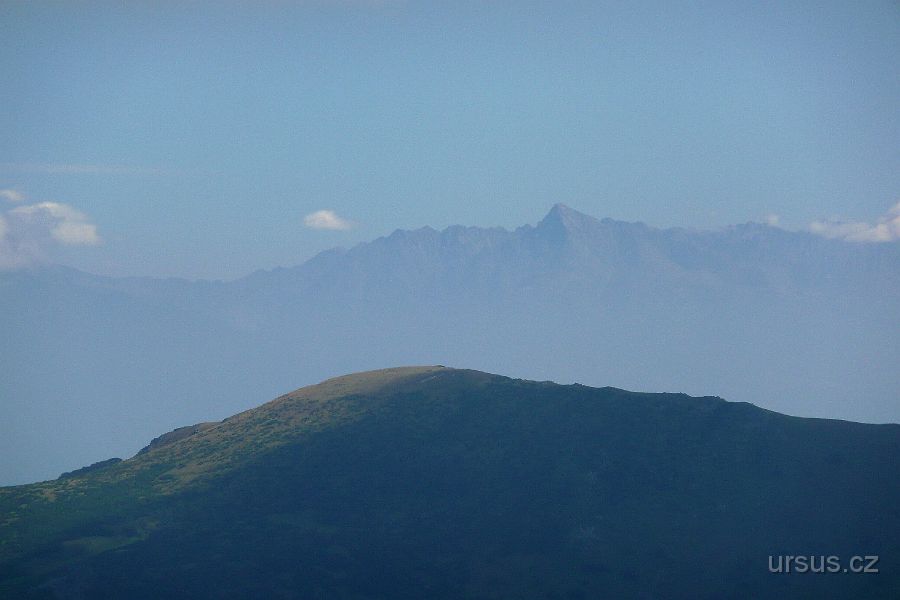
point(432, 482)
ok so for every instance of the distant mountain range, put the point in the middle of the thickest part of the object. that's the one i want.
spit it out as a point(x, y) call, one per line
point(790, 321)
point(428, 482)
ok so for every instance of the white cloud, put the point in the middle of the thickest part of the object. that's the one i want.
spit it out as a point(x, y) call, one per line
point(53, 209)
point(29, 233)
point(887, 229)
point(71, 233)
point(12, 195)
point(326, 219)
point(772, 220)
point(66, 225)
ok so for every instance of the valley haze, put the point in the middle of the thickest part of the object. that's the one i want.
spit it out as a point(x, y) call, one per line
point(92, 366)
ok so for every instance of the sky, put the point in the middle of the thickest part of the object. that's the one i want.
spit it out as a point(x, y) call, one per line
point(208, 140)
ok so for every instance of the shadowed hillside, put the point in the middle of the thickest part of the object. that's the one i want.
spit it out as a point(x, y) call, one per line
point(441, 483)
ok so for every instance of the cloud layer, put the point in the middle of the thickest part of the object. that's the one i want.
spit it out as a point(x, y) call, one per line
point(887, 229)
point(326, 219)
point(78, 169)
point(30, 232)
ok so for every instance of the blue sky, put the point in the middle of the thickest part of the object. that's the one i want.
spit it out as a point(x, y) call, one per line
point(195, 138)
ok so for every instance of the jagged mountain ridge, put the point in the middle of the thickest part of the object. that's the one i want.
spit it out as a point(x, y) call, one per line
point(566, 239)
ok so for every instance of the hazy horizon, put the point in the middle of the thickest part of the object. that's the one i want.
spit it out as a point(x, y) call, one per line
point(792, 322)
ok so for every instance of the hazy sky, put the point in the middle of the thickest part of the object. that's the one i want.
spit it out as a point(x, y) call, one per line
point(202, 140)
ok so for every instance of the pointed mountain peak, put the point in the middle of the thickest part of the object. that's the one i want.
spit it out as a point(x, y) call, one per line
point(569, 219)
point(561, 210)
